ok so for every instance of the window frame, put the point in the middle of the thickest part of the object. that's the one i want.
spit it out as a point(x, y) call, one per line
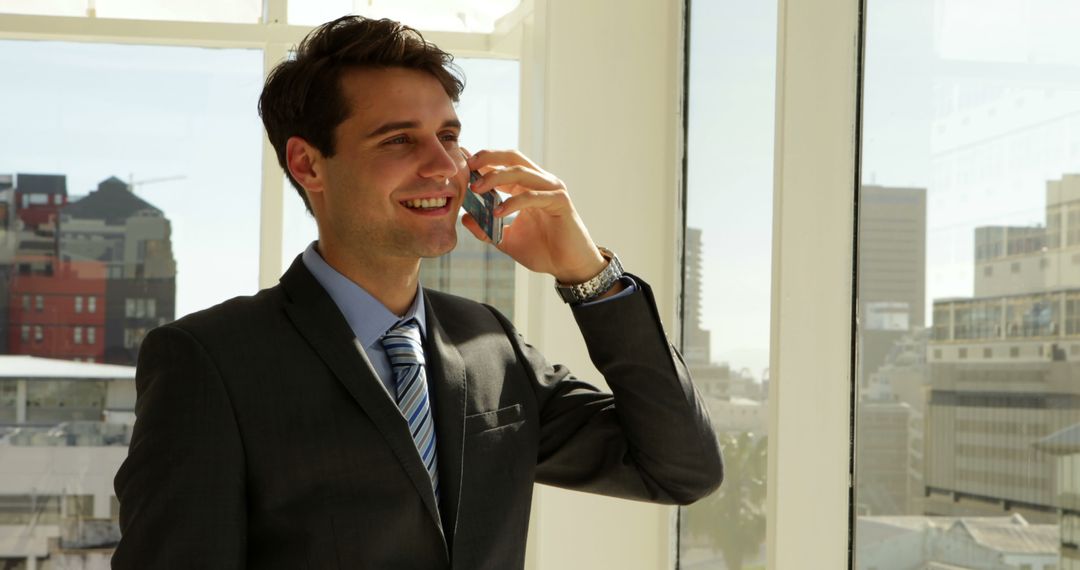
point(818, 125)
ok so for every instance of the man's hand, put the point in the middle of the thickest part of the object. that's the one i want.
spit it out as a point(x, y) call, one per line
point(547, 236)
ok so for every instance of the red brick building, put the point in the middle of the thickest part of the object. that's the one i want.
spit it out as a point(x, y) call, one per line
point(61, 315)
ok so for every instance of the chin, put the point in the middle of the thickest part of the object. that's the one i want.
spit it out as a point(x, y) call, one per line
point(441, 248)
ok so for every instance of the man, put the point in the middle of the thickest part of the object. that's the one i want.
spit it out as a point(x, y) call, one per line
point(348, 418)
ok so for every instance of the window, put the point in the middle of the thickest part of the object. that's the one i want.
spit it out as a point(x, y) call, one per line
point(983, 440)
point(78, 303)
point(91, 335)
point(39, 303)
point(129, 307)
point(25, 333)
point(718, 314)
point(26, 302)
point(39, 335)
point(91, 304)
point(77, 335)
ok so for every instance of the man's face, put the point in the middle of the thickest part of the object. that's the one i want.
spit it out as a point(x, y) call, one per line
point(398, 145)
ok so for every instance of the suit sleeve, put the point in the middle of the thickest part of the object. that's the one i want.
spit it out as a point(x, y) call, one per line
point(181, 488)
point(651, 439)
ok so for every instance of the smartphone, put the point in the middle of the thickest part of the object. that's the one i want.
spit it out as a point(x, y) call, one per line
point(480, 207)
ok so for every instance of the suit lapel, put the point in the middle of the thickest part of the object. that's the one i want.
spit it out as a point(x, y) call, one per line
point(318, 319)
point(448, 380)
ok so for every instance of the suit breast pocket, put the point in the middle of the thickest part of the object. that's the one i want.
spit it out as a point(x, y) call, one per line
point(487, 421)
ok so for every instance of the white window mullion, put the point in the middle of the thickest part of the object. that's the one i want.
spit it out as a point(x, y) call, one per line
point(271, 211)
point(810, 389)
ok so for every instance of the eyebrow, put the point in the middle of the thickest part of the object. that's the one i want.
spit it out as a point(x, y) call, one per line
point(405, 125)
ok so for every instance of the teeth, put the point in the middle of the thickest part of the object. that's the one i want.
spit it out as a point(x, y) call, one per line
point(426, 203)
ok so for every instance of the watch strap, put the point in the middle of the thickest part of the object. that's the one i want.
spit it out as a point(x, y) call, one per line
point(596, 286)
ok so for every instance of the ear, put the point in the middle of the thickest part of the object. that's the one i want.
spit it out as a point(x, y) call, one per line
point(306, 164)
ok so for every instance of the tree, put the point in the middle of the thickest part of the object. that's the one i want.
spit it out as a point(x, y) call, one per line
point(732, 519)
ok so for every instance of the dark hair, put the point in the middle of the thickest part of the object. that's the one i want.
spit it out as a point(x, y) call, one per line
point(302, 96)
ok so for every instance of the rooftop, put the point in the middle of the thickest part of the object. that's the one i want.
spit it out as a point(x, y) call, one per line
point(1062, 442)
point(35, 368)
point(112, 202)
point(41, 183)
point(1008, 534)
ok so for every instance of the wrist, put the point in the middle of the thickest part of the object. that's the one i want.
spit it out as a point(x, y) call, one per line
point(603, 283)
point(585, 272)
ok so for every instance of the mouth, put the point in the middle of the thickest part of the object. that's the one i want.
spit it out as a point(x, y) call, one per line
point(432, 206)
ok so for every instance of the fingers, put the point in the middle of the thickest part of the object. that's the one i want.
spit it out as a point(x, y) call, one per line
point(553, 202)
point(496, 158)
point(473, 227)
point(516, 179)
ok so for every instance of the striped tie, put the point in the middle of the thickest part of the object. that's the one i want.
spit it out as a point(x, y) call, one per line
point(406, 355)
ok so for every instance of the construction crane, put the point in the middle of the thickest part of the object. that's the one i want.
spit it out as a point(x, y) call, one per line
point(132, 183)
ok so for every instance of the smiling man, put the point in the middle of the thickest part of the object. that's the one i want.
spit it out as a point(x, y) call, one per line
point(349, 418)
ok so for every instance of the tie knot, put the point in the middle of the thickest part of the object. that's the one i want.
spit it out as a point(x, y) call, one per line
point(402, 344)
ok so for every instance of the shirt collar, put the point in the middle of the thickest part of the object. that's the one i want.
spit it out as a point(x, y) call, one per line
point(368, 318)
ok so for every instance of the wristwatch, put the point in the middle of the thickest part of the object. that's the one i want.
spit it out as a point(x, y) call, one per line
point(596, 286)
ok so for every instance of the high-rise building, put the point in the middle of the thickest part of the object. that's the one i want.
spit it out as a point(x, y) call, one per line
point(892, 271)
point(696, 340)
point(1003, 366)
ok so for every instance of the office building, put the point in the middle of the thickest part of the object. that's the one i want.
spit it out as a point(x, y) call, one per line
point(1003, 366)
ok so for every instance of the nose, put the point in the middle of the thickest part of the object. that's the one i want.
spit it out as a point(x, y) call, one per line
point(440, 162)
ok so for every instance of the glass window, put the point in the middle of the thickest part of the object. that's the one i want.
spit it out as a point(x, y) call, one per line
point(970, 112)
point(725, 319)
point(131, 161)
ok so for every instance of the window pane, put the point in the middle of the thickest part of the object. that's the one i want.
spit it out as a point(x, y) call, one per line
point(453, 16)
point(488, 111)
point(969, 285)
point(129, 189)
point(234, 11)
point(727, 269)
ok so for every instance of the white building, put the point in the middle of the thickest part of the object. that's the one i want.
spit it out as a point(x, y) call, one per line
point(57, 507)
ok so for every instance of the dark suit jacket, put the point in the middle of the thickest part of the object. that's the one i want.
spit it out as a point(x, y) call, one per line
point(265, 441)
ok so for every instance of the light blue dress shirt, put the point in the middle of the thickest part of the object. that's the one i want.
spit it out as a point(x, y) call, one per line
point(368, 318)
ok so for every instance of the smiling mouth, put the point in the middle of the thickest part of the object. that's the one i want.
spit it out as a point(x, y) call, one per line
point(426, 204)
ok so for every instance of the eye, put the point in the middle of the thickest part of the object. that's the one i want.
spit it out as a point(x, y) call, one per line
point(449, 136)
point(400, 139)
